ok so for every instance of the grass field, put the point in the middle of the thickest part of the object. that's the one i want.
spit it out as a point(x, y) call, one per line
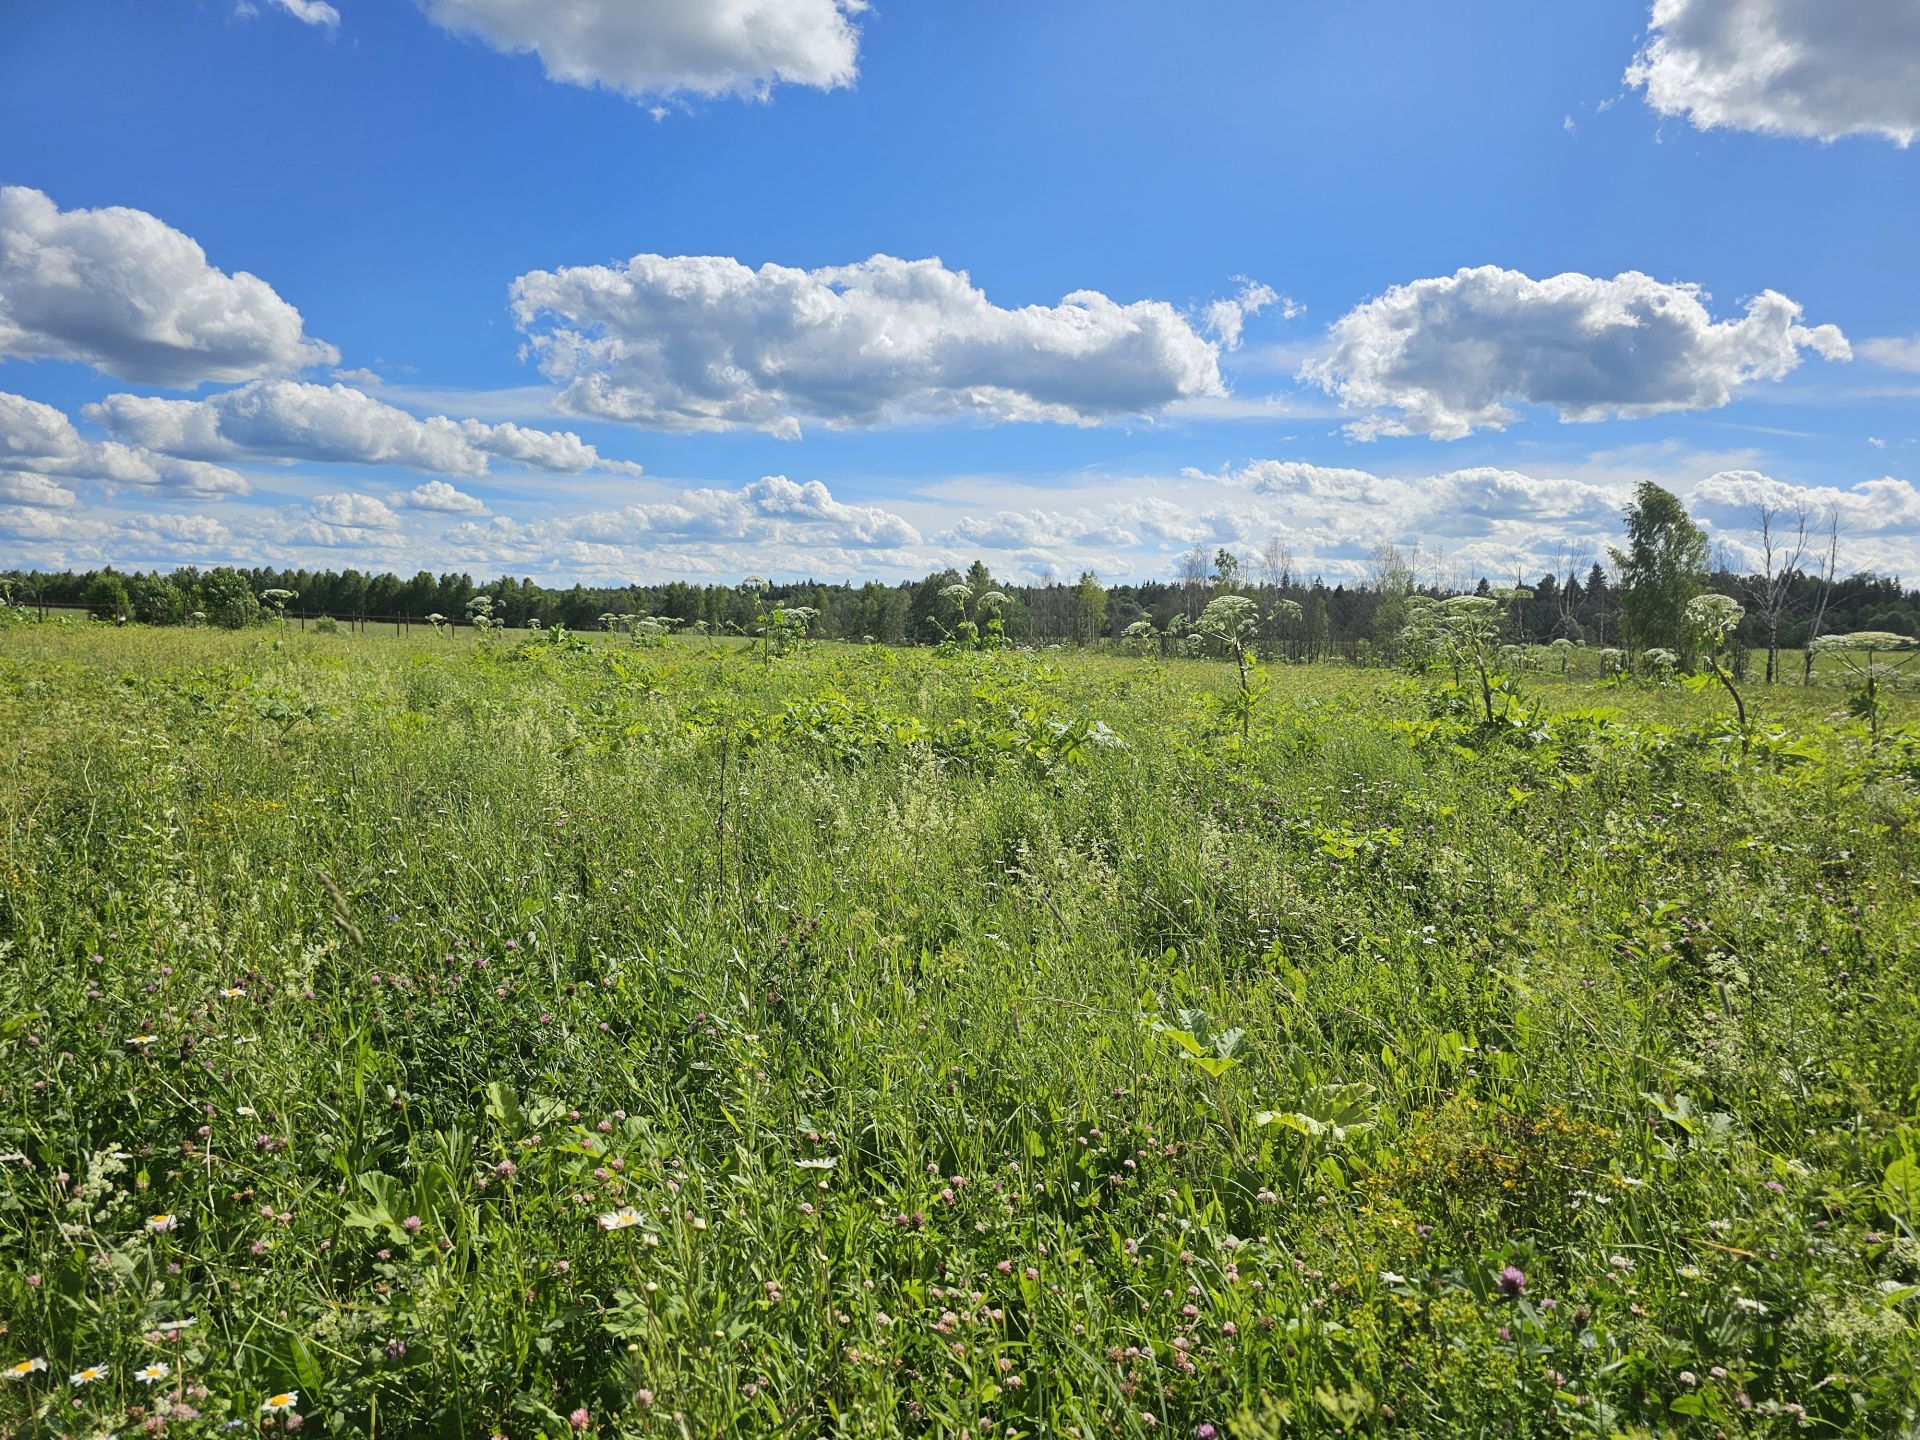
point(537, 1039)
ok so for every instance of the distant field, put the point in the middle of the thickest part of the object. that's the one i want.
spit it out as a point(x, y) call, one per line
point(873, 1042)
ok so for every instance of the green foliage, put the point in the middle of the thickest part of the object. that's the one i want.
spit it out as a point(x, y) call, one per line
point(107, 598)
point(227, 600)
point(1663, 568)
point(732, 1048)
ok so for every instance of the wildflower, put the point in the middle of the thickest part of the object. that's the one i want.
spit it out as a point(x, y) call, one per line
point(149, 1374)
point(411, 1224)
point(621, 1219)
point(161, 1224)
point(505, 1169)
point(580, 1419)
point(247, 1110)
point(142, 1040)
point(823, 1162)
point(20, 1369)
point(232, 992)
point(280, 1404)
point(88, 1375)
point(1392, 1277)
point(1513, 1281)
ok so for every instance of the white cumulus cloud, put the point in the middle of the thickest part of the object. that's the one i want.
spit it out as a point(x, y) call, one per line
point(292, 420)
point(37, 437)
point(705, 343)
point(23, 487)
point(646, 49)
point(1872, 507)
point(1819, 69)
point(126, 293)
point(772, 509)
point(350, 511)
point(310, 12)
point(1454, 353)
point(1228, 318)
point(438, 495)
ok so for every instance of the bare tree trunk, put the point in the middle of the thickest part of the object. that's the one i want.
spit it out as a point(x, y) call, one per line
point(1780, 564)
point(1826, 590)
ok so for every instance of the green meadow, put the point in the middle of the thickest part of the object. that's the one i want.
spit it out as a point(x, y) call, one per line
point(540, 1036)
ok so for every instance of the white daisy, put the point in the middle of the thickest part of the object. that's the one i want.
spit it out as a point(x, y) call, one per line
point(280, 1404)
point(622, 1218)
point(148, 1374)
point(89, 1375)
point(20, 1369)
point(161, 1224)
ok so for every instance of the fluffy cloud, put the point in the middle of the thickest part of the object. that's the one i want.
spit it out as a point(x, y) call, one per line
point(350, 511)
point(1040, 529)
point(290, 420)
point(1228, 318)
point(1450, 353)
point(1464, 523)
point(1873, 507)
point(772, 509)
point(124, 292)
point(38, 438)
point(1821, 69)
point(23, 487)
point(438, 495)
point(658, 48)
point(310, 12)
point(705, 343)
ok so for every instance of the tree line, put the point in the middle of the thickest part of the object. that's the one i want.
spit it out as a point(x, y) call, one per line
point(1633, 601)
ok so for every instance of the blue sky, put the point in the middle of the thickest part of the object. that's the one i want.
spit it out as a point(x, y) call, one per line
point(1692, 273)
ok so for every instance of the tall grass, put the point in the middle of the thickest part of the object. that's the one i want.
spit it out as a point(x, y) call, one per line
point(1576, 1091)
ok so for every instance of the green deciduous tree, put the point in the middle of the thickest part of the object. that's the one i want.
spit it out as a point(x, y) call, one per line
point(1663, 567)
point(228, 599)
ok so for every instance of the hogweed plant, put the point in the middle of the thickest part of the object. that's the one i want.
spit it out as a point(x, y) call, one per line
point(480, 615)
point(1710, 620)
point(1230, 623)
point(277, 602)
point(1859, 653)
point(1141, 637)
point(1465, 630)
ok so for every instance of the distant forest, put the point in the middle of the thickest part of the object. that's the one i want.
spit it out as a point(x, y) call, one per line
point(1799, 596)
point(1353, 621)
